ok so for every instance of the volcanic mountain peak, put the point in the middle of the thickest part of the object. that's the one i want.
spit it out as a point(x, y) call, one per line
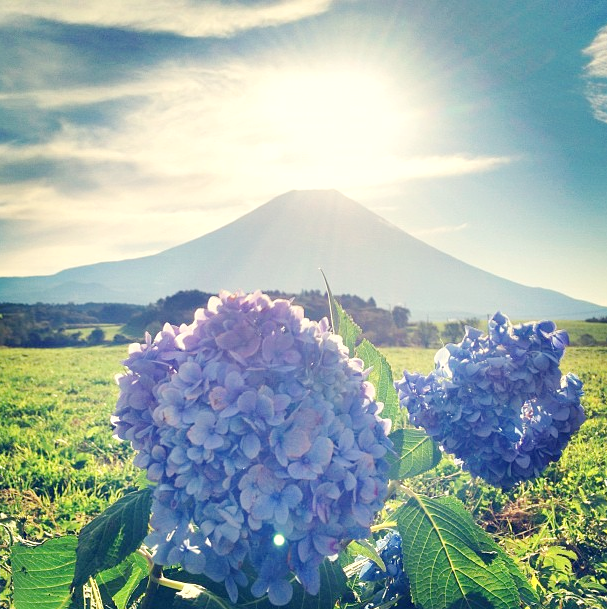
point(282, 244)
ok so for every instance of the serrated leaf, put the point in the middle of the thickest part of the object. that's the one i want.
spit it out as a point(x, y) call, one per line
point(415, 453)
point(341, 322)
point(120, 581)
point(364, 548)
point(115, 534)
point(448, 564)
point(42, 574)
point(381, 378)
point(525, 589)
point(349, 330)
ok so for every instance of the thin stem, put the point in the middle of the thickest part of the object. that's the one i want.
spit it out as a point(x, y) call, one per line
point(408, 491)
point(168, 583)
point(393, 487)
point(155, 580)
point(384, 525)
point(152, 587)
point(148, 557)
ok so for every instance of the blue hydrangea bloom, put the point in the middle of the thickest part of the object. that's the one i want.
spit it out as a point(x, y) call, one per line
point(498, 402)
point(394, 580)
point(253, 421)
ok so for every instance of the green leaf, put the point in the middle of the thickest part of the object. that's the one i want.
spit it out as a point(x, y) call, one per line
point(115, 534)
point(367, 549)
point(120, 581)
point(42, 574)
point(525, 589)
point(447, 559)
point(349, 330)
point(341, 322)
point(332, 305)
point(416, 453)
point(383, 381)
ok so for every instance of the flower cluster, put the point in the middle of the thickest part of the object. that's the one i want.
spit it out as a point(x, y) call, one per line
point(498, 401)
point(394, 580)
point(263, 439)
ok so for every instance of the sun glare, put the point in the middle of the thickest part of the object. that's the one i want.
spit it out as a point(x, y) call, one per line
point(337, 121)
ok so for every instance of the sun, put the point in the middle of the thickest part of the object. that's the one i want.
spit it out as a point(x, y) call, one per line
point(335, 122)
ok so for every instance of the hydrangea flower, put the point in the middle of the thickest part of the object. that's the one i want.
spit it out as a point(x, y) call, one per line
point(498, 402)
point(255, 425)
point(394, 579)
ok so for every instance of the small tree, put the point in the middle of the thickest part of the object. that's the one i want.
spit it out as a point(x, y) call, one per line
point(401, 316)
point(96, 337)
point(452, 332)
point(587, 340)
point(426, 334)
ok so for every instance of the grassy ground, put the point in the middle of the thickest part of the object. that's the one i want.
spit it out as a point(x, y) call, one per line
point(58, 461)
point(59, 465)
point(556, 525)
point(109, 330)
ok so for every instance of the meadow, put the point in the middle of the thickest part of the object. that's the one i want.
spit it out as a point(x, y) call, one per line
point(60, 466)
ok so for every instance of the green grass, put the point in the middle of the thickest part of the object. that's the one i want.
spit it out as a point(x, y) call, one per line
point(556, 525)
point(60, 465)
point(576, 329)
point(110, 330)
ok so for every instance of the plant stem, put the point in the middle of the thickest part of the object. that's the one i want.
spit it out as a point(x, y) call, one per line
point(152, 587)
point(384, 525)
point(392, 487)
point(155, 580)
point(169, 583)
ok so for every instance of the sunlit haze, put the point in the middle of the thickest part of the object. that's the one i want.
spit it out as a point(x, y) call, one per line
point(481, 128)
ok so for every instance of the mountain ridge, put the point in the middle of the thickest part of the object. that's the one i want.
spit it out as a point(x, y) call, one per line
point(282, 244)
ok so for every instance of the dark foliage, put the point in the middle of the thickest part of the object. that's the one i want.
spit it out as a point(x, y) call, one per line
point(56, 325)
point(47, 325)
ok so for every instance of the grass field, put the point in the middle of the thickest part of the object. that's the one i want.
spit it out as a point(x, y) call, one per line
point(60, 465)
point(109, 330)
point(58, 461)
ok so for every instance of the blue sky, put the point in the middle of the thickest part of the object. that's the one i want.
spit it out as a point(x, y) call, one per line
point(130, 126)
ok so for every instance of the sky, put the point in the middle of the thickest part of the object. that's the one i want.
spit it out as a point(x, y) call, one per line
point(131, 126)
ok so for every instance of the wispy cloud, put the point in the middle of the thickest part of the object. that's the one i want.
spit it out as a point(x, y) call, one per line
point(196, 146)
point(596, 75)
point(439, 230)
point(183, 17)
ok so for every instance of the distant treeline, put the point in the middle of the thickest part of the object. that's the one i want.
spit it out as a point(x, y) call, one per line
point(57, 325)
point(597, 320)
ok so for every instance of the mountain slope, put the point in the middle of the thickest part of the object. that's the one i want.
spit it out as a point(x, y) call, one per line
point(282, 244)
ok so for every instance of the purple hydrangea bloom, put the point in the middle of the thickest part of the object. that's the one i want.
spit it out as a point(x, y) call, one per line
point(498, 401)
point(253, 422)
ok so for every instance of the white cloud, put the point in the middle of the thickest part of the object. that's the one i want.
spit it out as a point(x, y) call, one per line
point(204, 146)
point(439, 230)
point(322, 126)
point(183, 17)
point(596, 75)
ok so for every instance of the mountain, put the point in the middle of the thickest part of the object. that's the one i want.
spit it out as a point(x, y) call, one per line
point(282, 244)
